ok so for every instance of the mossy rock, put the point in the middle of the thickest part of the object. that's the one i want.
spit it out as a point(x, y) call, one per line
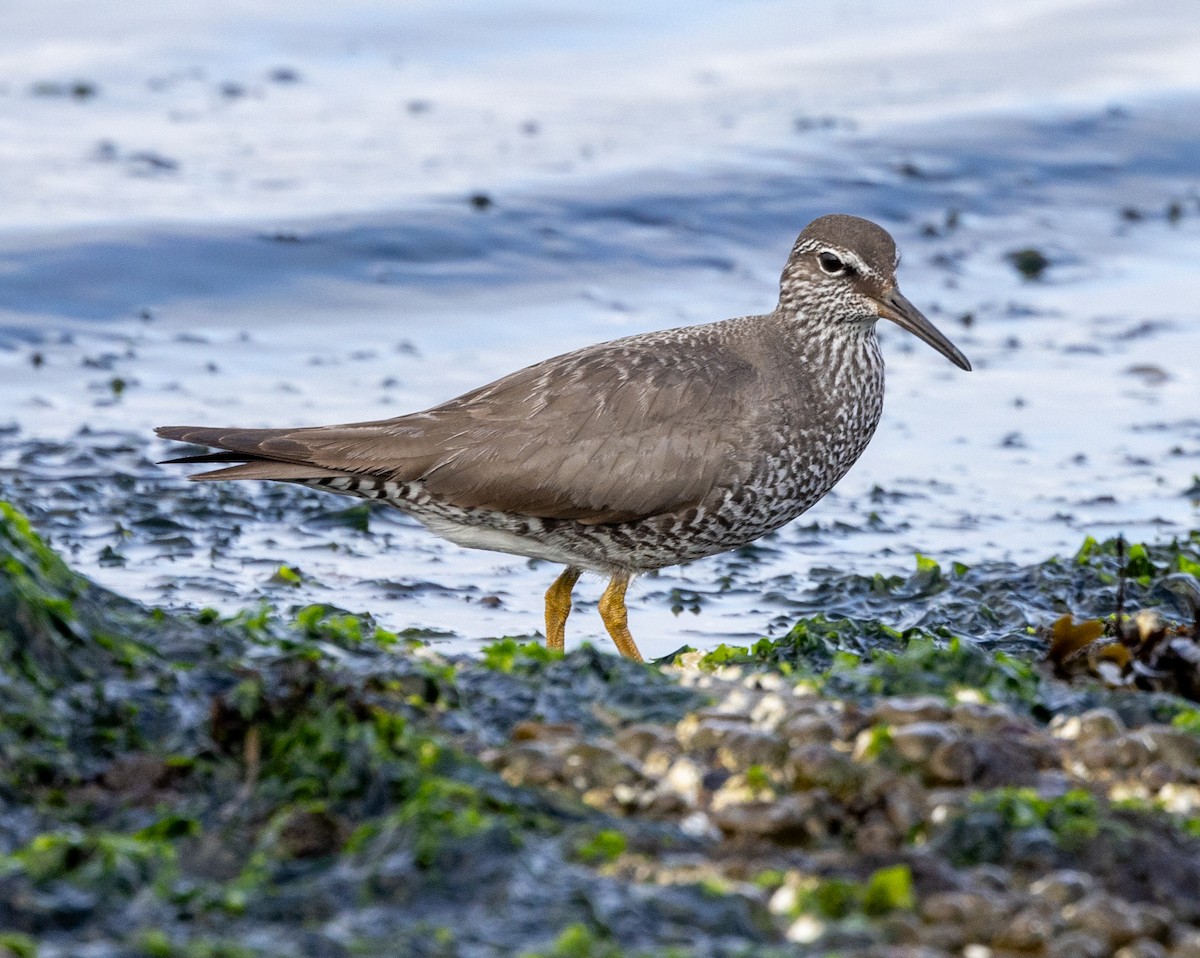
point(57, 627)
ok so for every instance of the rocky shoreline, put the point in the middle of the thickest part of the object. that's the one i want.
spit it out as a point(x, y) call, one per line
point(186, 784)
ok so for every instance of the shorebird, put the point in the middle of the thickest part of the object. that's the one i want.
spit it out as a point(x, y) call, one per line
point(635, 454)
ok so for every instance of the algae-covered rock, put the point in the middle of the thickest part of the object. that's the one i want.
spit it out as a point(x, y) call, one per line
point(311, 784)
point(46, 611)
point(176, 783)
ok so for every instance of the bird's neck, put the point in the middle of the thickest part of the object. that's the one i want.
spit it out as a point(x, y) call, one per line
point(844, 347)
point(841, 371)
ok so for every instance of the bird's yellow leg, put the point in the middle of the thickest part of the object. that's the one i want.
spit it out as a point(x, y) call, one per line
point(612, 611)
point(558, 607)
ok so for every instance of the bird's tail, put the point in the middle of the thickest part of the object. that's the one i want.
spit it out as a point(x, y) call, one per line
point(255, 454)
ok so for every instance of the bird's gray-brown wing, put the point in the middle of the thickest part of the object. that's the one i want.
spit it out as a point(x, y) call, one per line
point(610, 433)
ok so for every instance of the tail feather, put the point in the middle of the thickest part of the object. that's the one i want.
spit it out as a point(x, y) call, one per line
point(248, 441)
point(211, 457)
point(278, 471)
point(243, 447)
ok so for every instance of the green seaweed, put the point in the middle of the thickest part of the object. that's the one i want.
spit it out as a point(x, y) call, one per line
point(605, 846)
point(849, 903)
point(508, 655)
point(1008, 825)
point(111, 863)
point(342, 628)
point(18, 945)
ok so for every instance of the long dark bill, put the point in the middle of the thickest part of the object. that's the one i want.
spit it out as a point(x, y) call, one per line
point(896, 307)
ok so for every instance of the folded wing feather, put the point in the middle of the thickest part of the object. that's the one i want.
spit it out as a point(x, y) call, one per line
point(607, 434)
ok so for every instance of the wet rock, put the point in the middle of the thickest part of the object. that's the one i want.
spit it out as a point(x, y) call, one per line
point(916, 742)
point(749, 747)
point(1175, 747)
point(952, 763)
point(692, 821)
point(905, 805)
point(1029, 930)
point(902, 930)
point(1133, 750)
point(771, 708)
point(1030, 263)
point(904, 711)
point(36, 911)
point(976, 916)
point(875, 836)
point(698, 732)
point(1120, 753)
point(1104, 916)
point(821, 766)
point(1053, 783)
point(1063, 887)
point(684, 779)
point(792, 820)
point(1080, 944)
point(1034, 848)
point(136, 778)
point(1186, 944)
point(1148, 622)
point(1156, 921)
point(543, 731)
point(807, 728)
point(312, 833)
point(639, 740)
point(591, 764)
point(530, 764)
point(905, 951)
point(981, 717)
point(1142, 948)
point(1099, 724)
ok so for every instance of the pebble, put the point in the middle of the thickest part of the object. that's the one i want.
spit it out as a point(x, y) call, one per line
point(905, 711)
point(683, 778)
point(1149, 622)
point(1179, 749)
point(1063, 887)
point(982, 717)
point(976, 915)
point(1100, 723)
point(806, 728)
point(530, 764)
point(792, 820)
point(952, 763)
point(1104, 916)
point(1187, 945)
point(839, 784)
point(1028, 930)
point(637, 741)
point(748, 747)
point(1142, 948)
point(1080, 944)
point(821, 766)
point(917, 741)
point(595, 763)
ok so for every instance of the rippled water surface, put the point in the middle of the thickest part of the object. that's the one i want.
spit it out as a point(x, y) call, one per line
point(353, 215)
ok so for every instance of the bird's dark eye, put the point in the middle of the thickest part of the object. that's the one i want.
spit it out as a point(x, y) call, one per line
point(831, 264)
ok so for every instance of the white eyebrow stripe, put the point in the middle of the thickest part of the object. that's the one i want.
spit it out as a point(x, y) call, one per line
point(856, 263)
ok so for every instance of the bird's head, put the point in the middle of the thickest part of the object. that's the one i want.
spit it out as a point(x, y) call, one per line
point(843, 270)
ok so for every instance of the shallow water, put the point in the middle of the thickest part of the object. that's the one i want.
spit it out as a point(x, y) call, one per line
point(313, 257)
